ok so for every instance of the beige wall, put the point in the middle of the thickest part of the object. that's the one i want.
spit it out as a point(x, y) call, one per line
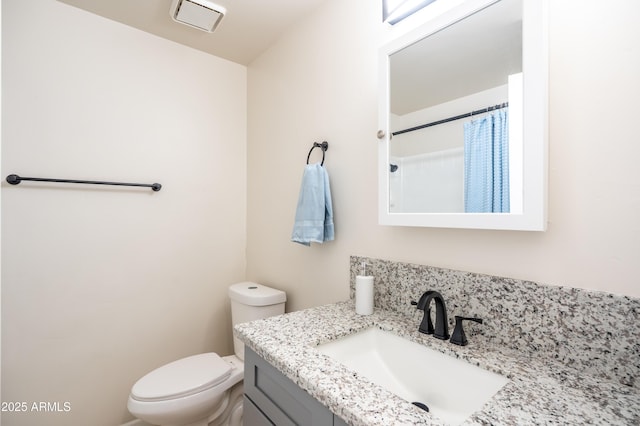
point(100, 285)
point(320, 82)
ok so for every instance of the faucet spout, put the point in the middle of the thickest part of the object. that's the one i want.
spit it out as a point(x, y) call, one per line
point(441, 329)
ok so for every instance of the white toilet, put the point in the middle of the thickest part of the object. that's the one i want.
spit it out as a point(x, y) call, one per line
point(205, 389)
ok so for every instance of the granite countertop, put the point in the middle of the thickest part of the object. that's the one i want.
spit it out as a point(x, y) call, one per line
point(540, 391)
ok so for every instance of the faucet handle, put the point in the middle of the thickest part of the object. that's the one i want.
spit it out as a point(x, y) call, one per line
point(458, 337)
point(426, 326)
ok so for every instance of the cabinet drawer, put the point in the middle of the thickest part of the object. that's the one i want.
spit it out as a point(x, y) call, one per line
point(252, 416)
point(282, 401)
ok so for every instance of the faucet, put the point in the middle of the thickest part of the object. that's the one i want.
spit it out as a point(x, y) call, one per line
point(441, 329)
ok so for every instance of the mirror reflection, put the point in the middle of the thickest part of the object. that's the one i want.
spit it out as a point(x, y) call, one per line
point(456, 117)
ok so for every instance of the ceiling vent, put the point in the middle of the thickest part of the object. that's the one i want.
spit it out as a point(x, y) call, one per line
point(201, 14)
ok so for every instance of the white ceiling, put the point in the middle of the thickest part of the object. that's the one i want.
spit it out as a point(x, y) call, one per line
point(247, 30)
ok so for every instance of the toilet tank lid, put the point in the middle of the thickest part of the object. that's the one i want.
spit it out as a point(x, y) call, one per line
point(253, 294)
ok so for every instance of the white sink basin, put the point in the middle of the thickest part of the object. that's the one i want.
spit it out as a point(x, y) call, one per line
point(452, 389)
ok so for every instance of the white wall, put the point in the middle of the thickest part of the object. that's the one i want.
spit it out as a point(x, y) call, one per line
point(320, 82)
point(100, 285)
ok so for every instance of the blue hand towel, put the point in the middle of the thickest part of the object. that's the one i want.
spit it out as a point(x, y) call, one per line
point(314, 215)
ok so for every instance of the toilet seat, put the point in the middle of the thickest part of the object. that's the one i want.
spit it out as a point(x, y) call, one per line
point(181, 378)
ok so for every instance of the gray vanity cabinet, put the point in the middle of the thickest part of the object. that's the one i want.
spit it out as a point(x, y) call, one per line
point(270, 398)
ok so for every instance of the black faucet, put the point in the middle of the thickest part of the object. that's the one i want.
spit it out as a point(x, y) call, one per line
point(441, 329)
point(459, 338)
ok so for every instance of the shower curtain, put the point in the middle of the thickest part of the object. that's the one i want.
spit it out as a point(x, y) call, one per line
point(486, 164)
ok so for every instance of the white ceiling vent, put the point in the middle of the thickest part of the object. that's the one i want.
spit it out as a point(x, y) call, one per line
point(201, 14)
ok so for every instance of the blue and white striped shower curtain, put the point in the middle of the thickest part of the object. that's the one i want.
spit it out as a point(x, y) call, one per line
point(486, 164)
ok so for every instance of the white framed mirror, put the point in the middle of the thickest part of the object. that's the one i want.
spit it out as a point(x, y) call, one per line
point(463, 119)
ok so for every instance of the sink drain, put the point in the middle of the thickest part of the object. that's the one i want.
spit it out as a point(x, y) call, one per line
point(421, 405)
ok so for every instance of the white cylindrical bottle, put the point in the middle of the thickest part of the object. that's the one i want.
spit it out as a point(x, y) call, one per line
point(364, 292)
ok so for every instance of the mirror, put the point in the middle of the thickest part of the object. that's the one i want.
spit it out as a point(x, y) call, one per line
point(463, 113)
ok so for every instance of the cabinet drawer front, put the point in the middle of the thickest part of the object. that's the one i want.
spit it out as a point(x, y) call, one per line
point(280, 399)
point(252, 416)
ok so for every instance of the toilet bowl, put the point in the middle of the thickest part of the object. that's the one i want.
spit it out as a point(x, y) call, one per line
point(204, 389)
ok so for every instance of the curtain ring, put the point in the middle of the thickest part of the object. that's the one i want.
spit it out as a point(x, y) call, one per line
point(324, 146)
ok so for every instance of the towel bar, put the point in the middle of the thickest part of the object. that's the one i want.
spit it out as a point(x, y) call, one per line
point(15, 179)
point(324, 146)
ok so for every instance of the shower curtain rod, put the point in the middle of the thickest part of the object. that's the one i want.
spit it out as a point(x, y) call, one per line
point(457, 117)
point(15, 179)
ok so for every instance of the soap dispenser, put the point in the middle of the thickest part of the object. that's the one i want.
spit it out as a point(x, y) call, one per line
point(364, 292)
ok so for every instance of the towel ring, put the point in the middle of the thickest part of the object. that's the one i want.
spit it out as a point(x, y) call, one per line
point(324, 146)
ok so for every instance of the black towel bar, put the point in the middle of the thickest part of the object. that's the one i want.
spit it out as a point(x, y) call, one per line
point(324, 146)
point(15, 179)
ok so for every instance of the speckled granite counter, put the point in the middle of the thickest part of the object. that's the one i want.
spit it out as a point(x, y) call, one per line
point(540, 391)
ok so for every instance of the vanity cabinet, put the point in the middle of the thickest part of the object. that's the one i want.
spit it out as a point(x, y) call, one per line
point(272, 399)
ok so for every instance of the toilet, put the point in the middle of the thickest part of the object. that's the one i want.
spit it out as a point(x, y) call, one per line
point(205, 389)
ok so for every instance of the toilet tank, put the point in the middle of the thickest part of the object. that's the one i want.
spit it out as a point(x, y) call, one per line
point(251, 301)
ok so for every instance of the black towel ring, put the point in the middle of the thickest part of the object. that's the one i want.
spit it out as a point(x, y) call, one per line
point(324, 146)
